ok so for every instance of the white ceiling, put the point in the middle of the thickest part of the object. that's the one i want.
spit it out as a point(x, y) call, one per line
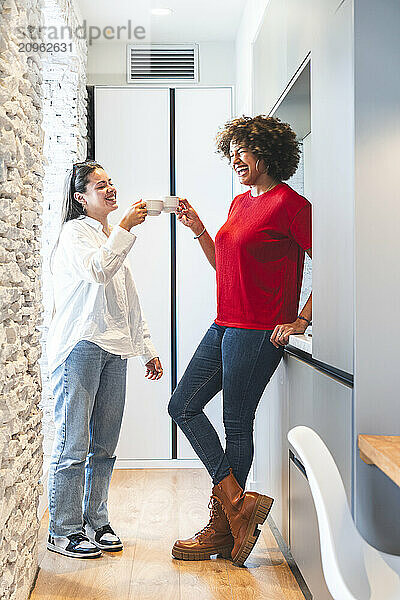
point(191, 21)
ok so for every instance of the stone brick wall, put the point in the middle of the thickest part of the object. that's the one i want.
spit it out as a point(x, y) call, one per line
point(21, 174)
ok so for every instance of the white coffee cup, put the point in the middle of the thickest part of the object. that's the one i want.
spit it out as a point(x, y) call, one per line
point(171, 203)
point(154, 207)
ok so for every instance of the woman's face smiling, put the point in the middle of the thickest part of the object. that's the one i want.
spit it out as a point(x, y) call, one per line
point(100, 198)
point(243, 162)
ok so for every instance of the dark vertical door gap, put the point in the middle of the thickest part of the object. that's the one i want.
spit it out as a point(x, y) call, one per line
point(174, 353)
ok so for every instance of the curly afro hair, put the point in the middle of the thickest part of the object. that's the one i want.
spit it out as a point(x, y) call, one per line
point(267, 138)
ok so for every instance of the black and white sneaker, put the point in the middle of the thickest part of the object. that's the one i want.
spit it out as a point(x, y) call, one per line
point(104, 538)
point(76, 545)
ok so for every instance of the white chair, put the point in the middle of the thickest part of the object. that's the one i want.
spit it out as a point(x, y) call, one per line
point(353, 569)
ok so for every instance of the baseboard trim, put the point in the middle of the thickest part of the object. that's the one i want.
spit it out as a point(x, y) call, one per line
point(176, 463)
point(289, 559)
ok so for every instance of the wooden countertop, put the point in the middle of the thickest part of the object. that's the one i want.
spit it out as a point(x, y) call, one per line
point(382, 451)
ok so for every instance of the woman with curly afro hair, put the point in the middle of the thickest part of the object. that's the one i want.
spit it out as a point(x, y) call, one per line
point(258, 255)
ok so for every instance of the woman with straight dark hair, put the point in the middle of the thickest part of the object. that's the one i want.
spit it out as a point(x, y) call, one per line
point(96, 326)
point(258, 255)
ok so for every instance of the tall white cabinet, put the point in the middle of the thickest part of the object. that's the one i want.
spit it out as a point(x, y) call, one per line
point(206, 181)
point(132, 142)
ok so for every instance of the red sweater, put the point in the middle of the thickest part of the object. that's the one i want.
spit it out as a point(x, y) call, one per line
point(259, 255)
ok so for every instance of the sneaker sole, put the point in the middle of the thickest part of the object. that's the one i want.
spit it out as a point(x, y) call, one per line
point(116, 548)
point(108, 548)
point(58, 550)
point(188, 555)
point(260, 513)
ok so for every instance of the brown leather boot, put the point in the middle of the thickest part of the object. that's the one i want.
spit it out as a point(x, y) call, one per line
point(214, 538)
point(244, 510)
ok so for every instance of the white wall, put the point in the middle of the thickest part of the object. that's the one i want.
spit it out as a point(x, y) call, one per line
point(107, 63)
point(251, 20)
point(377, 251)
point(289, 32)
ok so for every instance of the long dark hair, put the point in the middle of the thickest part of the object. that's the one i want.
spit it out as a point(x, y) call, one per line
point(76, 181)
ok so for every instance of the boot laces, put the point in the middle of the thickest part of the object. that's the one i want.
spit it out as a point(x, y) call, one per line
point(213, 507)
point(217, 500)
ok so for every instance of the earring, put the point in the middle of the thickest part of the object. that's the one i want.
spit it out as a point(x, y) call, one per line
point(258, 160)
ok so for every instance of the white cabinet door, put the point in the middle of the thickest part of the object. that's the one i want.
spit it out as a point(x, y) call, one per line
point(132, 143)
point(304, 534)
point(206, 181)
point(319, 401)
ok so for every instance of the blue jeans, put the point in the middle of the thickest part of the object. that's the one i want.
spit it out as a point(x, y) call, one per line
point(240, 362)
point(89, 390)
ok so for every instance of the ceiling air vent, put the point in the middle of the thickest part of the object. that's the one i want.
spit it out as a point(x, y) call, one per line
point(163, 63)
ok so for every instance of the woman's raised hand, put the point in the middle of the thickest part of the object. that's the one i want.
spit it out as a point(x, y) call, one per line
point(135, 215)
point(188, 216)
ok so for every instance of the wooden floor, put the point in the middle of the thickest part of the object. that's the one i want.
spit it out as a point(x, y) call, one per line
point(149, 509)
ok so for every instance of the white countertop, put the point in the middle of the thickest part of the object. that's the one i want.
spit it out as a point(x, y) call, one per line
point(302, 342)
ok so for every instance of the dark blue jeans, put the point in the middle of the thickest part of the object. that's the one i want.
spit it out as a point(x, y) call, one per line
point(240, 362)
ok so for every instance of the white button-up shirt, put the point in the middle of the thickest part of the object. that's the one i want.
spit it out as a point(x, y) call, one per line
point(95, 297)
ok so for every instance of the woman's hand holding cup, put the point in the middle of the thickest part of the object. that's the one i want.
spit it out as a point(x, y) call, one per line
point(135, 215)
point(189, 217)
